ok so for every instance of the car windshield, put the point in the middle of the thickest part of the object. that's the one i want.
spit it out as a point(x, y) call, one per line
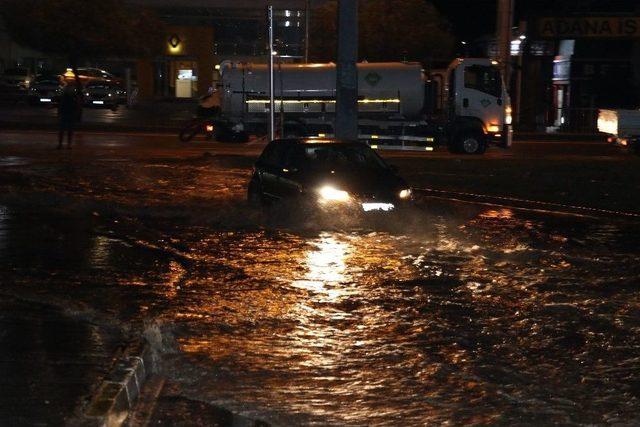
point(337, 156)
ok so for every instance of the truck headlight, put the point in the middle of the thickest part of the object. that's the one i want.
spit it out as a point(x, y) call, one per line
point(332, 194)
point(405, 194)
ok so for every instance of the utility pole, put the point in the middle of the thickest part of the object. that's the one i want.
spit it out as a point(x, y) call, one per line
point(504, 23)
point(272, 103)
point(522, 30)
point(346, 123)
point(307, 11)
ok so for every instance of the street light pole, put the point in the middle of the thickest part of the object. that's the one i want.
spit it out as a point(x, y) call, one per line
point(307, 10)
point(346, 123)
point(504, 24)
point(272, 103)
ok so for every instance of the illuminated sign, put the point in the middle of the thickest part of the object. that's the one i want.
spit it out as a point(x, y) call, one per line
point(561, 69)
point(589, 27)
point(174, 41)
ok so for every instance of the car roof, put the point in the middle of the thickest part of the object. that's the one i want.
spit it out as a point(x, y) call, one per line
point(316, 141)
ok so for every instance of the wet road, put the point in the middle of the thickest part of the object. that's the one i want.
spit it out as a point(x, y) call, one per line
point(447, 313)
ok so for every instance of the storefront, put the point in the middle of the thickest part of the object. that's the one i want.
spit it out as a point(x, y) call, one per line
point(186, 68)
point(597, 66)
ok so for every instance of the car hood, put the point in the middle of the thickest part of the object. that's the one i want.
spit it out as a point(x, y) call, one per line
point(99, 90)
point(372, 184)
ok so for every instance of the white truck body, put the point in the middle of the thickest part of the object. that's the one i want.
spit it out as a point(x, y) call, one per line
point(392, 106)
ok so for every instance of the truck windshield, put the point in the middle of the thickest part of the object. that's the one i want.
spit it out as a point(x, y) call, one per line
point(483, 78)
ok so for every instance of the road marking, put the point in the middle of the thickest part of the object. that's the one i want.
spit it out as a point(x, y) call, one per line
point(532, 202)
point(517, 208)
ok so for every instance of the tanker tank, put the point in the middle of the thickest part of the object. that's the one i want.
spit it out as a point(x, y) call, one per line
point(392, 89)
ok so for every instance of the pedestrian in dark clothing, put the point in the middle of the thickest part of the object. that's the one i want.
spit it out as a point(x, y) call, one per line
point(69, 110)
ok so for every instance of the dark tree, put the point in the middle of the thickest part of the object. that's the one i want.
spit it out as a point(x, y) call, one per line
point(79, 30)
point(389, 30)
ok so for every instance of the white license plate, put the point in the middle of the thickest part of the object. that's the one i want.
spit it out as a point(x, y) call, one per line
point(98, 102)
point(386, 207)
point(45, 99)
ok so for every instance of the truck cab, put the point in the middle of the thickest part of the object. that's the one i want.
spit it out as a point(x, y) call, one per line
point(478, 106)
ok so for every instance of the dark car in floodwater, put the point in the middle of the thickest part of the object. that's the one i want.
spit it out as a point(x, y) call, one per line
point(327, 173)
point(45, 89)
point(101, 94)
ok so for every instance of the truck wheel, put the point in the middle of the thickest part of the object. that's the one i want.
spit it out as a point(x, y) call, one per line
point(470, 142)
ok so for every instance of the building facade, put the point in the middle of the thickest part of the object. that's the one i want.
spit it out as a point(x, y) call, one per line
point(202, 34)
point(198, 35)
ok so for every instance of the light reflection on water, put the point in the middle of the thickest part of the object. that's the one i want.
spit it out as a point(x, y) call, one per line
point(326, 268)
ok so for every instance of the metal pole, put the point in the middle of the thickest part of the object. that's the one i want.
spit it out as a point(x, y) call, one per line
point(272, 103)
point(307, 10)
point(346, 71)
point(504, 24)
point(519, 72)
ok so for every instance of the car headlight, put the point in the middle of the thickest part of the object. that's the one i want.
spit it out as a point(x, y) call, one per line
point(331, 194)
point(405, 194)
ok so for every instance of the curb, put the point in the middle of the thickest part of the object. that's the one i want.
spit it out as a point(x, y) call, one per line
point(119, 392)
point(174, 128)
point(556, 137)
point(92, 127)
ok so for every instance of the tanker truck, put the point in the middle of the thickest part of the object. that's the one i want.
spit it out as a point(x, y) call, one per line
point(465, 107)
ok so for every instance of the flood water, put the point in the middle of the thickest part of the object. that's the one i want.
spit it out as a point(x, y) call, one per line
point(485, 317)
point(456, 315)
point(494, 319)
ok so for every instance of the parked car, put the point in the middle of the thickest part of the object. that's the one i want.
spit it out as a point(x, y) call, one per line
point(45, 89)
point(87, 75)
point(101, 94)
point(18, 79)
point(327, 173)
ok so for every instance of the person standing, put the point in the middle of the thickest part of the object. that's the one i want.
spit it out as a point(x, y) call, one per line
point(69, 110)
